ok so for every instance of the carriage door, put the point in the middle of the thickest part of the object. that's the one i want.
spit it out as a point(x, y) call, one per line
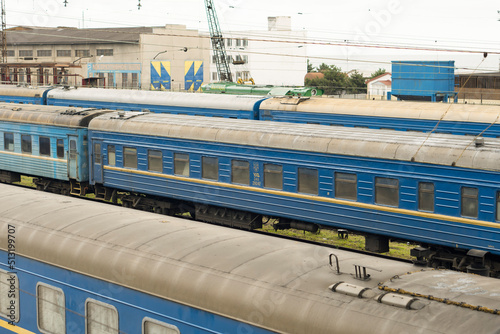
point(73, 158)
point(97, 161)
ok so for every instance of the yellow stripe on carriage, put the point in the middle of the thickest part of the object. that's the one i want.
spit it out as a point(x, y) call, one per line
point(15, 329)
point(313, 198)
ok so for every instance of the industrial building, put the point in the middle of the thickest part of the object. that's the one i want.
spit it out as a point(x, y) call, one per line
point(171, 57)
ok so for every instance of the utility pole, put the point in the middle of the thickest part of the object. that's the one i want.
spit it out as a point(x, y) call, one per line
point(4, 34)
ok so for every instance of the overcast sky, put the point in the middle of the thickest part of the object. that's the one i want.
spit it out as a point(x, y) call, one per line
point(387, 29)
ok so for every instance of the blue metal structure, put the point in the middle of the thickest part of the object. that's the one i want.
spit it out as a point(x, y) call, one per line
point(423, 80)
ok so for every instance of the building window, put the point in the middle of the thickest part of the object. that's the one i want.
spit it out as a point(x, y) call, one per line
point(308, 181)
point(151, 326)
point(181, 164)
point(469, 202)
point(26, 144)
point(11, 53)
point(50, 309)
point(245, 42)
point(60, 148)
point(498, 206)
point(25, 53)
point(229, 42)
point(97, 153)
point(101, 318)
point(104, 52)
point(9, 295)
point(273, 176)
point(82, 53)
point(387, 191)
point(245, 58)
point(44, 53)
point(230, 59)
point(111, 155)
point(426, 196)
point(346, 186)
point(240, 172)
point(155, 161)
point(63, 53)
point(215, 76)
point(130, 157)
point(44, 143)
point(111, 80)
point(210, 168)
point(238, 42)
point(135, 80)
point(8, 141)
point(124, 80)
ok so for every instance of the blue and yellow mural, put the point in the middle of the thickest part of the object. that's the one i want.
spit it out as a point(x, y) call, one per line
point(160, 75)
point(193, 75)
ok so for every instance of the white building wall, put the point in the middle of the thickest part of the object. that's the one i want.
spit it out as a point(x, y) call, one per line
point(275, 57)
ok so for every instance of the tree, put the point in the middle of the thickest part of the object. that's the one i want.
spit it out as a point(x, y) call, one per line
point(378, 72)
point(334, 81)
point(310, 68)
point(356, 83)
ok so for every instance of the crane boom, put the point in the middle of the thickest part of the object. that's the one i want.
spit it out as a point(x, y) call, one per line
point(218, 44)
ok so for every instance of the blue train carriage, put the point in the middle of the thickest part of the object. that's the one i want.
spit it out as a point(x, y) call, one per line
point(236, 106)
point(435, 190)
point(74, 266)
point(461, 119)
point(47, 143)
point(17, 94)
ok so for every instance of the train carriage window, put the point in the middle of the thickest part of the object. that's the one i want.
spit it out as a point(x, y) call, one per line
point(101, 318)
point(308, 181)
point(155, 161)
point(181, 164)
point(498, 206)
point(210, 168)
point(426, 196)
point(9, 296)
point(129, 157)
point(469, 202)
point(152, 326)
point(273, 176)
point(386, 191)
point(346, 186)
point(60, 148)
point(26, 144)
point(8, 141)
point(111, 155)
point(50, 309)
point(240, 172)
point(44, 143)
point(97, 153)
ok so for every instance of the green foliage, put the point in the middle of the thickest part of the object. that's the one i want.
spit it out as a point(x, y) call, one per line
point(337, 82)
point(377, 73)
point(310, 68)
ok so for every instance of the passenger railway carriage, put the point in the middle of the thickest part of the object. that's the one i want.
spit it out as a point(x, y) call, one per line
point(439, 189)
point(72, 266)
point(48, 143)
point(461, 119)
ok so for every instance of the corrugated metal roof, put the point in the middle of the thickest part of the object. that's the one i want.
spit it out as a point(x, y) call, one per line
point(64, 35)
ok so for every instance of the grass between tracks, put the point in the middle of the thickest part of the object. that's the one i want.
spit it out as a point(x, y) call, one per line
point(396, 249)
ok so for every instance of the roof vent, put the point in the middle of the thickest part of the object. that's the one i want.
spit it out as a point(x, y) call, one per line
point(352, 290)
point(392, 299)
point(479, 141)
point(121, 114)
